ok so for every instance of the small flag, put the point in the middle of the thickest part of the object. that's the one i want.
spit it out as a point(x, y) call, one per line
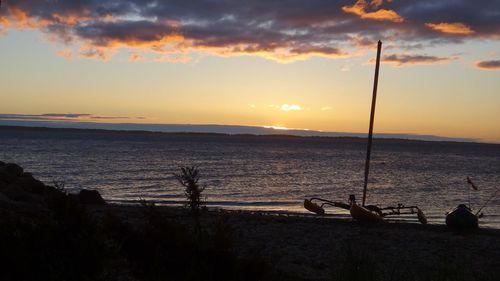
point(469, 181)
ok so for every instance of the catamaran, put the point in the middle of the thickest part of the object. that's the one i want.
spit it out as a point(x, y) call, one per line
point(363, 212)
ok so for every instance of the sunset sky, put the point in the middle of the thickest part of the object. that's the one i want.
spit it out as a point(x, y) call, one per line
point(297, 64)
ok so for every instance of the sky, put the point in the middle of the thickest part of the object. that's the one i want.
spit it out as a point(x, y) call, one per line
point(288, 63)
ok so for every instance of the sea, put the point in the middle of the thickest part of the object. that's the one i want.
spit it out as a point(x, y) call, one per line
point(262, 173)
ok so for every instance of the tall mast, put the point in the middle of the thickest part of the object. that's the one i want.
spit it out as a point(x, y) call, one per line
point(372, 116)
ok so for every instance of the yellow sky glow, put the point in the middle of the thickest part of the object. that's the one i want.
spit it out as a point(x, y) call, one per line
point(300, 68)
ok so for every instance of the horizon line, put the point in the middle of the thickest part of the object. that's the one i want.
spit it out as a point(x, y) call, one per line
point(222, 129)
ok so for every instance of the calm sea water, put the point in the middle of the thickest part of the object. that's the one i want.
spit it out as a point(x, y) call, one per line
point(261, 173)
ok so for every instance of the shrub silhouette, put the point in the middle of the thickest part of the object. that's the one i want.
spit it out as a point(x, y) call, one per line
point(189, 178)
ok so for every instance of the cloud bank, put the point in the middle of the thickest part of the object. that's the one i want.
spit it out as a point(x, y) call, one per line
point(174, 30)
point(63, 117)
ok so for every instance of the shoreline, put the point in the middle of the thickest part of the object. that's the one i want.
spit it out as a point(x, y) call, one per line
point(296, 217)
point(299, 212)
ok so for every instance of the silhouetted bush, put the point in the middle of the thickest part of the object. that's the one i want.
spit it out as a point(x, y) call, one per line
point(65, 245)
point(189, 178)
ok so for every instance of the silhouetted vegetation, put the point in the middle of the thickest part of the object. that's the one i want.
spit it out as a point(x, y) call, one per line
point(61, 238)
point(189, 178)
point(63, 243)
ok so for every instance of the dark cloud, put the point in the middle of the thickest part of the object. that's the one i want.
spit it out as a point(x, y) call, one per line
point(127, 31)
point(279, 29)
point(69, 115)
point(403, 59)
point(108, 117)
point(59, 116)
point(489, 65)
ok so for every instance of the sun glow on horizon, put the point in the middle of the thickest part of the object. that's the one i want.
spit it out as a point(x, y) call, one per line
point(285, 128)
point(276, 128)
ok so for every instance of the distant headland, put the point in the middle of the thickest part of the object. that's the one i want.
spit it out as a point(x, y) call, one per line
point(215, 129)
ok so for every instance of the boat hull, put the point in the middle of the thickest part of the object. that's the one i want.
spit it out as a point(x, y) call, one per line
point(313, 207)
point(362, 214)
point(461, 218)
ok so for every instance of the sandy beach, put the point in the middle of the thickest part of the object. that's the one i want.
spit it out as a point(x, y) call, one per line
point(316, 248)
point(45, 226)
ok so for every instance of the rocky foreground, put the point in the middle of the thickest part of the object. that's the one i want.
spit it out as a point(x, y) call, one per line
point(46, 234)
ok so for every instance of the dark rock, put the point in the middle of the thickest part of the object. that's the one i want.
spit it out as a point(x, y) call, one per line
point(9, 172)
point(2, 163)
point(73, 197)
point(13, 169)
point(13, 192)
point(30, 184)
point(3, 198)
point(92, 197)
point(51, 189)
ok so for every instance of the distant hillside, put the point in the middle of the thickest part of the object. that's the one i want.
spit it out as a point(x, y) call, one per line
point(212, 128)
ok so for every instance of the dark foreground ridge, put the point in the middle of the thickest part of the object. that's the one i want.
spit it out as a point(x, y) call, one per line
point(47, 234)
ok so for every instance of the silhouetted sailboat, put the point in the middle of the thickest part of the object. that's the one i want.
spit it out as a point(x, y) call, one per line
point(361, 213)
point(366, 213)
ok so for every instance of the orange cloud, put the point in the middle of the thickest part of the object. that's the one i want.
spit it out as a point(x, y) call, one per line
point(102, 36)
point(376, 3)
point(65, 53)
point(95, 29)
point(282, 54)
point(101, 53)
point(162, 38)
point(288, 55)
point(173, 58)
point(4, 21)
point(21, 19)
point(452, 28)
point(157, 44)
point(70, 19)
point(3, 24)
point(360, 9)
point(135, 57)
